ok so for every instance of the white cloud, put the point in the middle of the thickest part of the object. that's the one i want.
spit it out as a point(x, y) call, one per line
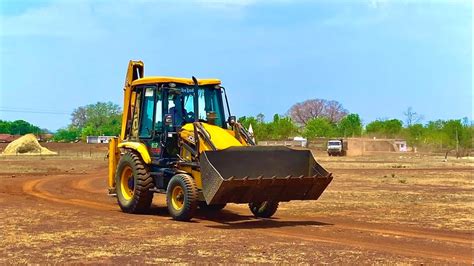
point(92, 19)
point(59, 19)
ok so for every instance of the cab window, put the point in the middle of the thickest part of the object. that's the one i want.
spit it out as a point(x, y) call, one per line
point(146, 125)
point(158, 113)
point(209, 103)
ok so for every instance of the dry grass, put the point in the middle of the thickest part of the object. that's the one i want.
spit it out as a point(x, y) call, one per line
point(391, 189)
point(36, 231)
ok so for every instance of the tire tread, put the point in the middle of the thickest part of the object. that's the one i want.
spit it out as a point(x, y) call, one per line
point(142, 196)
point(191, 197)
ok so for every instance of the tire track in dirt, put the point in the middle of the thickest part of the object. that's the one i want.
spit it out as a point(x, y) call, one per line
point(373, 228)
point(85, 184)
point(393, 249)
point(35, 188)
point(38, 188)
point(434, 169)
point(412, 245)
point(407, 233)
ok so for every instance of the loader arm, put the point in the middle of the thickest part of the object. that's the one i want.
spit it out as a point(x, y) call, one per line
point(231, 171)
point(135, 71)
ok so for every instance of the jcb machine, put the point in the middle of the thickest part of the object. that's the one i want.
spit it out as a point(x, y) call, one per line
point(175, 139)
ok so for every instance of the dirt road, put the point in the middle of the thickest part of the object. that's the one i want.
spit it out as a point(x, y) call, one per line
point(64, 215)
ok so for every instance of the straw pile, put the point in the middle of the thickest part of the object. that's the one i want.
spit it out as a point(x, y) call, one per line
point(27, 144)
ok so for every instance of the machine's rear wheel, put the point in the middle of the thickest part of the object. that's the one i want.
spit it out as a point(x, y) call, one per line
point(182, 197)
point(213, 207)
point(133, 183)
point(263, 209)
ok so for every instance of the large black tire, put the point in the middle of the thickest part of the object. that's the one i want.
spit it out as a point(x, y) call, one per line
point(213, 207)
point(263, 209)
point(133, 183)
point(182, 197)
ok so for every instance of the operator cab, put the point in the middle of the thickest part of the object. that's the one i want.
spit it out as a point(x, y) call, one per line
point(160, 109)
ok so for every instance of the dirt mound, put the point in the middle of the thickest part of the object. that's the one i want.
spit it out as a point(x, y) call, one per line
point(28, 144)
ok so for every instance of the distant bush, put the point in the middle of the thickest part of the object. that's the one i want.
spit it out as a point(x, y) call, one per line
point(92, 120)
point(67, 134)
point(280, 128)
point(442, 135)
point(386, 128)
point(18, 127)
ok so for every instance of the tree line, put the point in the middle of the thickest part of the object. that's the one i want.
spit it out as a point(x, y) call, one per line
point(316, 118)
point(319, 118)
point(19, 127)
point(99, 119)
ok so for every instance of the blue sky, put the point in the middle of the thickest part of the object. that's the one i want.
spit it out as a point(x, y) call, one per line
point(375, 57)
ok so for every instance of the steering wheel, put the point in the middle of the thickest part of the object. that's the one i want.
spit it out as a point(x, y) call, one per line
point(189, 116)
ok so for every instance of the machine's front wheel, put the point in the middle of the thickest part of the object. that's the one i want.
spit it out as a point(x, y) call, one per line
point(213, 207)
point(182, 197)
point(263, 209)
point(133, 183)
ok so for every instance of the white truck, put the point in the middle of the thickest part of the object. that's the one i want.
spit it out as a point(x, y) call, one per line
point(336, 147)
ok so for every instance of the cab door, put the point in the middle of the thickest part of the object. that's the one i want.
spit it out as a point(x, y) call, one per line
point(151, 119)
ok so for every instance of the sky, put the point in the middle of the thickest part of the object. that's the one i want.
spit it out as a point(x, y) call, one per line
point(376, 57)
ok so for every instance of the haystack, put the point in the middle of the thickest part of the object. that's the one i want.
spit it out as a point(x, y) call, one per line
point(28, 144)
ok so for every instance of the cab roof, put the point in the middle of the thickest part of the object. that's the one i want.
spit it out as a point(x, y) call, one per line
point(161, 79)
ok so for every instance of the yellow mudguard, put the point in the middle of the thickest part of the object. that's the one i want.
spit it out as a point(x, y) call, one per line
point(139, 147)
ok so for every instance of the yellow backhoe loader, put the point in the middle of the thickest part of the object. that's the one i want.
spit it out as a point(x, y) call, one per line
point(175, 139)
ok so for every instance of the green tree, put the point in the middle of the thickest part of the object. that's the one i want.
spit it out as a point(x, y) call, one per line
point(87, 131)
point(79, 117)
point(385, 128)
point(350, 125)
point(5, 127)
point(393, 127)
point(457, 134)
point(260, 129)
point(375, 127)
point(319, 127)
point(101, 114)
point(281, 128)
point(415, 134)
point(247, 121)
point(434, 134)
point(18, 127)
point(449, 134)
point(67, 134)
point(101, 118)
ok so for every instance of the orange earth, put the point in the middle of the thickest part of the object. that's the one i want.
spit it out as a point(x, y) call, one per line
point(387, 208)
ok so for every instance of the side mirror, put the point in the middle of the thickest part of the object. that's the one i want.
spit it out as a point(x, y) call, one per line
point(168, 119)
point(231, 120)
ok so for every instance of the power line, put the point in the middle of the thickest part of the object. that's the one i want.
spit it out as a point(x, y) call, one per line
point(31, 108)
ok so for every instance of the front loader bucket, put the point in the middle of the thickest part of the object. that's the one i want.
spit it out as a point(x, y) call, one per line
point(261, 173)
